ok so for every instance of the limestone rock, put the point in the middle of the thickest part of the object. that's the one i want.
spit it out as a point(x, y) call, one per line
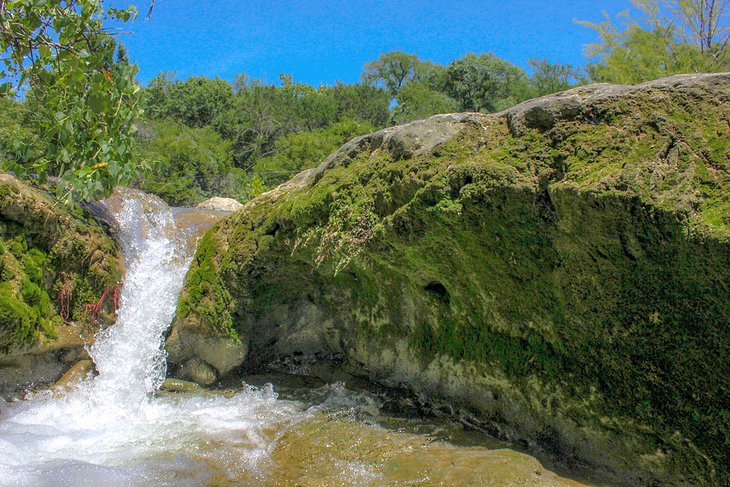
point(558, 272)
point(73, 376)
point(216, 350)
point(181, 386)
point(220, 204)
point(199, 371)
point(586, 101)
point(321, 451)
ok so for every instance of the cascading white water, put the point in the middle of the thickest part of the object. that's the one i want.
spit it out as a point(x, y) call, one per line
point(111, 430)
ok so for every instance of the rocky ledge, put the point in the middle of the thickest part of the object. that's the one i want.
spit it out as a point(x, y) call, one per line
point(560, 272)
point(58, 272)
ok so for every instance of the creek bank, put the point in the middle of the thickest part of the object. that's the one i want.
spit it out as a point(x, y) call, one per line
point(560, 271)
point(59, 272)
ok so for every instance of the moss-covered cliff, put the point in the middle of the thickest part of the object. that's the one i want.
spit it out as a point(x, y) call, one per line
point(53, 263)
point(560, 270)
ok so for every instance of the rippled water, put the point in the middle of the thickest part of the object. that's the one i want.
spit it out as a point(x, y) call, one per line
point(116, 428)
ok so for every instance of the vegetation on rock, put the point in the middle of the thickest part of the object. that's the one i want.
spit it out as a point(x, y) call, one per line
point(52, 264)
point(560, 268)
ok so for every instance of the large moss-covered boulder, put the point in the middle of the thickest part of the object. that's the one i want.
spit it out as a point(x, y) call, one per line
point(559, 271)
point(55, 266)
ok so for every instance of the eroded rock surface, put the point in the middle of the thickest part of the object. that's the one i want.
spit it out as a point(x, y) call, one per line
point(559, 272)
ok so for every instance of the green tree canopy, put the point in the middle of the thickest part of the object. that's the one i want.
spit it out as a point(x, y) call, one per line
point(194, 163)
point(84, 104)
point(392, 70)
point(550, 78)
point(485, 83)
point(196, 102)
point(668, 37)
point(417, 100)
point(298, 151)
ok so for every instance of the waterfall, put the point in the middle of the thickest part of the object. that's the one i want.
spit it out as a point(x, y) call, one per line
point(112, 429)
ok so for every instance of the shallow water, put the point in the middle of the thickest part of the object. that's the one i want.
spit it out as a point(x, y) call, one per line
point(117, 428)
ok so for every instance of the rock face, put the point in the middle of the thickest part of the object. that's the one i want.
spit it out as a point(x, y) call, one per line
point(54, 266)
point(220, 204)
point(560, 272)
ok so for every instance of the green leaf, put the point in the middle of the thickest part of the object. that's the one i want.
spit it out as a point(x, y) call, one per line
point(114, 169)
point(96, 103)
point(44, 51)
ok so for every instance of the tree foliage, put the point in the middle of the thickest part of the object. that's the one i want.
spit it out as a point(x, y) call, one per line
point(668, 37)
point(193, 164)
point(298, 151)
point(84, 104)
point(195, 102)
point(550, 78)
point(253, 115)
point(392, 70)
point(417, 100)
point(485, 83)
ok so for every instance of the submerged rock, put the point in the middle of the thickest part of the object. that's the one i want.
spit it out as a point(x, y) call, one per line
point(181, 387)
point(58, 272)
point(340, 452)
point(559, 272)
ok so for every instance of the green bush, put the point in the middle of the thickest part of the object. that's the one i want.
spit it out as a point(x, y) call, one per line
point(192, 164)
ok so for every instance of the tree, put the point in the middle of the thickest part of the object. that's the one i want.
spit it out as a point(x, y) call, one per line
point(156, 96)
point(550, 78)
point(196, 102)
point(669, 37)
point(59, 54)
point(18, 141)
point(700, 23)
point(416, 100)
point(298, 151)
point(485, 83)
point(392, 70)
point(361, 102)
point(194, 164)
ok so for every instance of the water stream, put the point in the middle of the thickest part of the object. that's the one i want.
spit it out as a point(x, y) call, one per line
point(115, 428)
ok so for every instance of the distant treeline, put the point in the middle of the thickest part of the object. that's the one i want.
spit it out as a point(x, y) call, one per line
point(238, 139)
point(201, 137)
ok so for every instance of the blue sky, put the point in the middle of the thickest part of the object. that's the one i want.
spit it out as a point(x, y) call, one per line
point(325, 41)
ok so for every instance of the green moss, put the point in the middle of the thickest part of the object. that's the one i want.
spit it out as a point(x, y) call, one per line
point(44, 247)
point(206, 297)
point(16, 318)
point(592, 259)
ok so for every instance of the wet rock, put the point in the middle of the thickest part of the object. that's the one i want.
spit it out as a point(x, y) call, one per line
point(220, 204)
point(78, 372)
point(199, 371)
point(216, 350)
point(341, 452)
point(45, 361)
point(181, 386)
